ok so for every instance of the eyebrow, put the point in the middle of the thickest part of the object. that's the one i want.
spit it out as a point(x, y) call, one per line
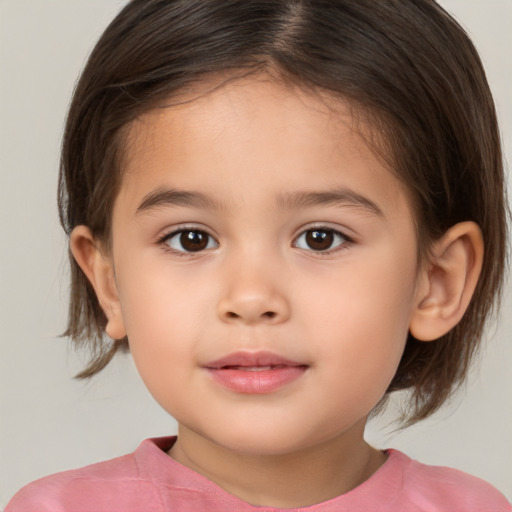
point(294, 200)
point(175, 197)
point(335, 197)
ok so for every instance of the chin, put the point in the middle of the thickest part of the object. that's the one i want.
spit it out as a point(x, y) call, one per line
point(266, 441)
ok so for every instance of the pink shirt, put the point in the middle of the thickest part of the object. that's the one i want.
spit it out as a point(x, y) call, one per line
point(148, 480)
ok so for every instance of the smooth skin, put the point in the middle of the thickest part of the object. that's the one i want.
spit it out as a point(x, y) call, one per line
point(256, 218)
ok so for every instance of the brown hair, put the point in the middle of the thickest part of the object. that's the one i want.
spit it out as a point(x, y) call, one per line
point(406, 63)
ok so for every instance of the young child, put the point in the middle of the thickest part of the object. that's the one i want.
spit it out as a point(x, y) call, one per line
point(287, 209)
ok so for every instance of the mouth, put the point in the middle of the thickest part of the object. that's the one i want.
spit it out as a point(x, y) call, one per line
point(252, 368)
point(255, 372)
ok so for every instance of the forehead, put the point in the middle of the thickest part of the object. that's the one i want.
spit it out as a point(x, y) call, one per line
point(215, 107)
point(269, 134)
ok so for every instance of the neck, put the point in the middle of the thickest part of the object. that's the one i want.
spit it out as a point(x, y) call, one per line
point(290, 480)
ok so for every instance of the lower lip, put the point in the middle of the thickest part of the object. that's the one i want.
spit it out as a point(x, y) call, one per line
point(256, 382)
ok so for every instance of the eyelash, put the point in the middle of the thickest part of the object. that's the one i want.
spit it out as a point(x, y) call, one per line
point(337, 235)
point(342, 245)
point(165, 241)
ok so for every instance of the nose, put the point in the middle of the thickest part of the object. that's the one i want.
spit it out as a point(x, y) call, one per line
point(254, 294)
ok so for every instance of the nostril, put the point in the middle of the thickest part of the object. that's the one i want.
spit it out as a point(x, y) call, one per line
point(268, 314)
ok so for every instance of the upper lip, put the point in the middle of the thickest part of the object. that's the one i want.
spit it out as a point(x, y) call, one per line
point(251, 359)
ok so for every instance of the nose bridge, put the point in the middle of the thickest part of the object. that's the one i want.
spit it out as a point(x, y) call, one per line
point(255, 287)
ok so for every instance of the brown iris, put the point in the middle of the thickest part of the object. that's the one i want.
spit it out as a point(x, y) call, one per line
point(194, 241)
point(320, 239)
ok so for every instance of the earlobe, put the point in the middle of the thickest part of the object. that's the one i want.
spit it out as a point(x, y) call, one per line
point(99, 271)
point(448, 281)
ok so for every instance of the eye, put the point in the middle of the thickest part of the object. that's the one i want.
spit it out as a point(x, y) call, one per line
point(320, 240)
point(190, 240)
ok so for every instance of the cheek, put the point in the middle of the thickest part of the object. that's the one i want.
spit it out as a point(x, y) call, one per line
point(362, 317)
point(164, 316)
point(159, 297)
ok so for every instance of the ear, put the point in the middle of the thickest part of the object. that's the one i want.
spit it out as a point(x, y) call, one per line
point(447, 281)
point(100, 271)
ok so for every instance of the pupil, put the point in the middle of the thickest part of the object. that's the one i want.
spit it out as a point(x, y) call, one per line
point(193, 240)
point(319, 240)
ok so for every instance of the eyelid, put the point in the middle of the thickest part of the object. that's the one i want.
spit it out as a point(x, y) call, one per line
point(348, 240)
point(347, 233)
point(176, 230)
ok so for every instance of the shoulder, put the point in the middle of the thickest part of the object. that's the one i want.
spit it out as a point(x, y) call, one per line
point(438, 488)
point(112, 485)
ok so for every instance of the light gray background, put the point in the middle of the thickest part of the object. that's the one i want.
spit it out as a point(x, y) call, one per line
point(48, 422)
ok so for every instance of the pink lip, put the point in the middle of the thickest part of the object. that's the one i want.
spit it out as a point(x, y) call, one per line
point(255, 372)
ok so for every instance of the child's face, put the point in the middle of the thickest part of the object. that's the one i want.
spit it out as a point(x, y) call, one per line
point(297, 249)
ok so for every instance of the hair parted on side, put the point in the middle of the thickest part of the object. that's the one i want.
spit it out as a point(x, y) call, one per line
point(406, 64)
